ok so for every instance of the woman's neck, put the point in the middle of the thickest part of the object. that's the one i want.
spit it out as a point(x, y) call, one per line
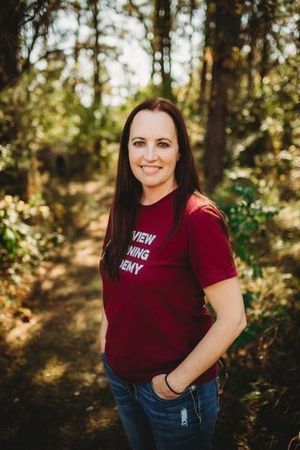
point(150, 196)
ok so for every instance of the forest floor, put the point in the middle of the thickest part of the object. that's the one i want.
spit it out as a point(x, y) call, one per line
point(53, 390)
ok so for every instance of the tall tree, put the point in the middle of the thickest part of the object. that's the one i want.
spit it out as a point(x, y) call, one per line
point(94, 6)
point(157, 20)
point(190, 8)
point(95, 17)
point(206, 52)
point(226, 46)
point(258, 33)
point(14, 16)
point(162, 25)
point(96, 64)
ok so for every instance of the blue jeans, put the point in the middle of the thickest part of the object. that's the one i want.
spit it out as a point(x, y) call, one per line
point(153, 423)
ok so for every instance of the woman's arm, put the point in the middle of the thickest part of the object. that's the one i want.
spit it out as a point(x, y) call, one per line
point(226, 300)
point(103, 330)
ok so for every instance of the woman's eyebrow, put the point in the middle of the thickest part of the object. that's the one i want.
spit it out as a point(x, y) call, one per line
point(158, 139)
point(164, 139)
point(137, 137)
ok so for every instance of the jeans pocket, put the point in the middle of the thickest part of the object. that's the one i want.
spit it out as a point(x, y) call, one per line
point(157, 397)
point(111, 374)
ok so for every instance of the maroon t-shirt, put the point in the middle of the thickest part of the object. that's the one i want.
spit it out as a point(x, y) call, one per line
point(156, 311)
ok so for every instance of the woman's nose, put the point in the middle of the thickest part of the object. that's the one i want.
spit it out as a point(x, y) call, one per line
point(150, 152)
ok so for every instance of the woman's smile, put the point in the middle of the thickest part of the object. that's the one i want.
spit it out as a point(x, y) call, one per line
point(150, 170)
point(153, 153)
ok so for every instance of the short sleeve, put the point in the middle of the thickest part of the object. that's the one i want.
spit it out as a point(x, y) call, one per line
point(208, 248)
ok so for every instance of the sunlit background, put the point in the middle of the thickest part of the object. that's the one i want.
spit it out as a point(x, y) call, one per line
point(70, 73)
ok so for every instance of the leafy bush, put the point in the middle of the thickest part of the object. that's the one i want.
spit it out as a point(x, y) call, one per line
point(248, 218)
point(21, 241)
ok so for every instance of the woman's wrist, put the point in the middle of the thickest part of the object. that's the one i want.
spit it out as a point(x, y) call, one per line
point(183, 375)
point(170, 387)
point(174, 384)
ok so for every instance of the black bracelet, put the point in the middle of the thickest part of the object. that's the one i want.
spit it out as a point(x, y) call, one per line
point(178, 393)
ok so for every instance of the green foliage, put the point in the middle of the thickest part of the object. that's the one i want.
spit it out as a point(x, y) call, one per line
point(44, 112)
point(266, 118)
point(23, 239)
point(6, 157)
point(248, 218)
point(51, 109)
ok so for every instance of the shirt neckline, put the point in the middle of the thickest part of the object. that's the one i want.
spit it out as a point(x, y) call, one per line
point(158, 202)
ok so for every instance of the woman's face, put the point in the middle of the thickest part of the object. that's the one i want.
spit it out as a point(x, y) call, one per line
point(153, 152)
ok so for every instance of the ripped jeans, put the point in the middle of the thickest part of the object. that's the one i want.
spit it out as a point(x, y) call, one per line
point(153, 423)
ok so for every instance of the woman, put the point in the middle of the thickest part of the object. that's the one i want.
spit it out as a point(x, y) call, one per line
point(166, 248)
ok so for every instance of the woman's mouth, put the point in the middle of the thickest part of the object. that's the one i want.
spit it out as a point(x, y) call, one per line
point(150, 169)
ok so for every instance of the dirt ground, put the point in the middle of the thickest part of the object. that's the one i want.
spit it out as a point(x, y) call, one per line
point(53, 391)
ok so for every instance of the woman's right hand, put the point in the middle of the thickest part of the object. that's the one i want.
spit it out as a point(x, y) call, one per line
point(161, 389)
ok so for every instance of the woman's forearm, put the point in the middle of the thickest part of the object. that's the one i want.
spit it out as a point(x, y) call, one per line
point(217, 340)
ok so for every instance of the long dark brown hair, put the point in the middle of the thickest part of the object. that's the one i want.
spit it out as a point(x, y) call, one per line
point(128, 189)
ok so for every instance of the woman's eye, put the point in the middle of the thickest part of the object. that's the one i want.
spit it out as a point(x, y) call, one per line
point(165, 144)
point(160, 144)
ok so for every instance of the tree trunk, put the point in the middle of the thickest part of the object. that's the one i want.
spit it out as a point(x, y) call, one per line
point(97, 82)
point(190, 66)
point(96, 52)
point(11, 15)
point(227, 19)
point(162, 25)
point(206, 50)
